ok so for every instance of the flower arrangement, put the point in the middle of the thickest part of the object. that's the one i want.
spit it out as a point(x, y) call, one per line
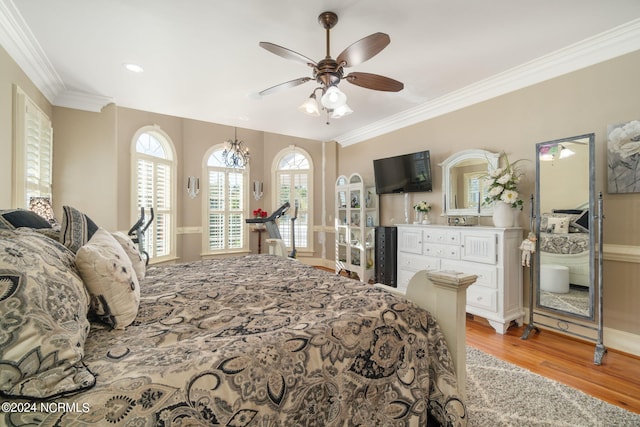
point(422, 207)
point(503, 185)
point(259, 213)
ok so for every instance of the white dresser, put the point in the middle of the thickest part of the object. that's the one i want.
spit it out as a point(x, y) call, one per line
point(490, 253)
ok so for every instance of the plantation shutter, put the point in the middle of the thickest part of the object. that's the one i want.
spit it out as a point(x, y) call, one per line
point(33, 151)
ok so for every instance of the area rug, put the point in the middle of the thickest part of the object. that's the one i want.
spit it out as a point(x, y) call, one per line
point(500, 394)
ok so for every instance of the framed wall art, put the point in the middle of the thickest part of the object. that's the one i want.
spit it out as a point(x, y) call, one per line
point(623, 157)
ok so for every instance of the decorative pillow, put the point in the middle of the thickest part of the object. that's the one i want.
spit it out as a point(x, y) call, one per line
point(43, 312)
point(138, 262)
point(557, 225)
point(77, 228)
point(15, 218)
point(109, 276)
point(582, 222)
point(573, 215)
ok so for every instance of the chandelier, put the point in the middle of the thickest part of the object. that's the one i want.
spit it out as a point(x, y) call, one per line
point(235, 154)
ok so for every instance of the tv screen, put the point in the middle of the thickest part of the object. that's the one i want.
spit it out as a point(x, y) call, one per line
point(408, 173)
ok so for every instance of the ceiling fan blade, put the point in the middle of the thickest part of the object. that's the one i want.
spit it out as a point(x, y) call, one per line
point(375, 82)
point(287, 53)
point(285, 85)
point(363, 49)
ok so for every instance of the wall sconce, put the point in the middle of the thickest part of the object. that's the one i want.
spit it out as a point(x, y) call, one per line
point(193, 186)
point(258, 187)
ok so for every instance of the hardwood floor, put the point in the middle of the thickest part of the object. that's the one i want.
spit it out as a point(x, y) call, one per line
point(564, 359)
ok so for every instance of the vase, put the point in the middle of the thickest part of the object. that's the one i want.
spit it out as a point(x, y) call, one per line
point(419, 217)
point(503, 214)
point(425, 219)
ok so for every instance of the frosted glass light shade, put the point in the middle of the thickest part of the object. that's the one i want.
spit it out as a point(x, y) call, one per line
point(333, 98)
point(341, 112)
point(310, 107)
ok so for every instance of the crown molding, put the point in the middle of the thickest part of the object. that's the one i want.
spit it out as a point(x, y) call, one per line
point(82, 101)
point(20, 43)
point(593, 50)
point(22, 46)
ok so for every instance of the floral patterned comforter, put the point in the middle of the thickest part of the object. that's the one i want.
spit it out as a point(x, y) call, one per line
point(564, 243)
point(263, 341)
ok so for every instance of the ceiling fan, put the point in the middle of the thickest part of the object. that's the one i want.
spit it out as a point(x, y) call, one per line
point(329, 72)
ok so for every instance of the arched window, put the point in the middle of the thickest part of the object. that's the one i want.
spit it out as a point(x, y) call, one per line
point(293, 178)
point(226, 192)
point(153, 178)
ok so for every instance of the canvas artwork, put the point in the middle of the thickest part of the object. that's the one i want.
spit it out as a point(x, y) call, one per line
point(623, 157)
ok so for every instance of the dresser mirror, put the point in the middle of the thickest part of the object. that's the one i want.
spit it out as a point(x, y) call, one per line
point(462, 183)
point(565, 207)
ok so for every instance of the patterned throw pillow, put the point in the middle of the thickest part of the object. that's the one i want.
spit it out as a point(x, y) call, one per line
point(43, 312)
point(77, 228)
point(138, 262)
point(557, 225)
point(109, 276)
point(16, 218)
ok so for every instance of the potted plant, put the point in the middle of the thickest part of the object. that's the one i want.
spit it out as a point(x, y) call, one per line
point(422, 212)
point(503, 193)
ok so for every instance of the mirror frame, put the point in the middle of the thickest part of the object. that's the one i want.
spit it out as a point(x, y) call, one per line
point(592, 225)
point(492, 160)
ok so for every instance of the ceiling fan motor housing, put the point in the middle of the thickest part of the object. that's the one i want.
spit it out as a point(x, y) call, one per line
point(328, 72)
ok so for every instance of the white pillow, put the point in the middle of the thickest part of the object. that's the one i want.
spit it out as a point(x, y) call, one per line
point(138, 262)
point(558, 225)
point(110, 278)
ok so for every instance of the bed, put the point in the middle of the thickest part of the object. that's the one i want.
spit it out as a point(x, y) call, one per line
point(564, 240)
point(254, 340)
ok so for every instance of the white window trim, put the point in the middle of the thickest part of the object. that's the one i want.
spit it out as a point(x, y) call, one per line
point(274, 197)
point(206, 251)
point(22, 105)
point(155, 129)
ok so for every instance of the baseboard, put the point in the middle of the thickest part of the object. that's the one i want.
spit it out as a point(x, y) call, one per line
point(623, 341)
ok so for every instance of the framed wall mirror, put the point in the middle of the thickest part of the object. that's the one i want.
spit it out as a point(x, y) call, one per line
point(565, 207)
point(462, 183)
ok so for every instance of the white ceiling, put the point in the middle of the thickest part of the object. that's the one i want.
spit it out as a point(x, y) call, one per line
point(201, 58)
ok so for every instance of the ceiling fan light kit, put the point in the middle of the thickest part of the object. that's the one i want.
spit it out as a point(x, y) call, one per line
point(329, 72)
point(333, 98)
point(310, 106)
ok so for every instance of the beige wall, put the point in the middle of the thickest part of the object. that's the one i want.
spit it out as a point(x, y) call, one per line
point(10, 75)
point(581, 102)
point(96, 148)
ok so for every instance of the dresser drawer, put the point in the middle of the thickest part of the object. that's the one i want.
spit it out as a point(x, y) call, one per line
point(415, 263)
point(448, 237)
point(441, 251)
point(482, 298)
point(487, 274)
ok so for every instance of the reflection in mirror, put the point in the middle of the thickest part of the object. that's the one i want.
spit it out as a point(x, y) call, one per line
point(564, 200)
point(463, 186)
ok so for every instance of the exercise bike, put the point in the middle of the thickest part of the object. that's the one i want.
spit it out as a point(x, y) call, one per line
point(137, 233)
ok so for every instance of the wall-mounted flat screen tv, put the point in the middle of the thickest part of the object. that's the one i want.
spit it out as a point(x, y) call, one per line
point(408, 173)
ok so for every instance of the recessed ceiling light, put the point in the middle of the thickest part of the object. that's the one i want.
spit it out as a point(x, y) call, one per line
point(134, 68)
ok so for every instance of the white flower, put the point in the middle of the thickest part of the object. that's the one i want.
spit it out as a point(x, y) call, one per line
point(625, 140)
point(509, 196)
point(495, 191)
point(504, 179)
point(422, 207)
point(501, 184)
